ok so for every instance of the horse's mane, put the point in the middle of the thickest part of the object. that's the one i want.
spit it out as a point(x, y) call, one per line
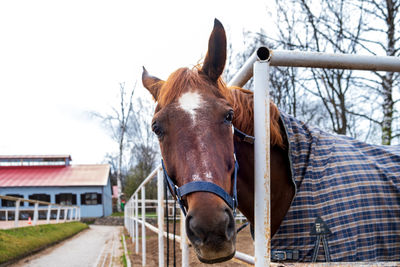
point(243, 105)
point(183, 79)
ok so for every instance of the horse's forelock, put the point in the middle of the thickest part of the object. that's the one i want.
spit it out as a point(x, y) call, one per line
point(184, 80)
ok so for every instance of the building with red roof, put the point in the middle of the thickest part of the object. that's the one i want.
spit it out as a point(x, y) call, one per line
point(52, 178)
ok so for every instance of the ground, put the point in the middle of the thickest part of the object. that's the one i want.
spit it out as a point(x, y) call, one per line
point(97, 246)
point(244, 244)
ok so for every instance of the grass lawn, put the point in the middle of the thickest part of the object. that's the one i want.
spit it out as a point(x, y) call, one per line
point(18, 242)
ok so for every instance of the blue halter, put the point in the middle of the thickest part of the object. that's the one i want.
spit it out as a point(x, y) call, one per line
point(202, 186)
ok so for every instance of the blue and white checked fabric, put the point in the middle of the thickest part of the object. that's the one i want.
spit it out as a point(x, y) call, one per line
point(353, 186)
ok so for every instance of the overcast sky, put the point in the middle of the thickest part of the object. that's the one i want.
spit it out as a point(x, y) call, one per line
point(60, 60)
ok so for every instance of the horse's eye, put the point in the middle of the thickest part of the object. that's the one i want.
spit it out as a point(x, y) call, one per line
point(157, 129)
point(229, 116)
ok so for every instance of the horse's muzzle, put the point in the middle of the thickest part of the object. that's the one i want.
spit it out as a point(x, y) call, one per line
point(212, 233)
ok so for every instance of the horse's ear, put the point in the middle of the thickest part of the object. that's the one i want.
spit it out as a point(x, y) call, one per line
point(214, 62)
point(151, 83)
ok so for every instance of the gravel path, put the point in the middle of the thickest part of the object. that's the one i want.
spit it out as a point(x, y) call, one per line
point(95, 247)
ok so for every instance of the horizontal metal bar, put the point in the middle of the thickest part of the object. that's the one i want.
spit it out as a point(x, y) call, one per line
point(317, 60)
point(155, 229)
point(334, 61)
point(244, 257)
point(244, 73)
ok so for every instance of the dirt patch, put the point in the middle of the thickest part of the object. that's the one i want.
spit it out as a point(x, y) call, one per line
point(244, 244)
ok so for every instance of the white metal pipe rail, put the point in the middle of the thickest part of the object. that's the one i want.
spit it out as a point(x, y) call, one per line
point(265, 58)
point(72, 211)
point(288, 58)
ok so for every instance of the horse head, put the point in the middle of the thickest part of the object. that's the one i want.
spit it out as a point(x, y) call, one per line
point(193, 122)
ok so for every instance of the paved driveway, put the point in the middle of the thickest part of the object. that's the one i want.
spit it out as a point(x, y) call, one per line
point(95, 247)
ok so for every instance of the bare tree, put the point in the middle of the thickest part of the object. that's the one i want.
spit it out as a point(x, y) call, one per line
point(144, 148)
point(117, 122)
point(321, 26)
point(382, 35)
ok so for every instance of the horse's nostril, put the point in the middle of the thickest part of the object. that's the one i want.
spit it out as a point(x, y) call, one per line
point(230, 225)
point(192, 231)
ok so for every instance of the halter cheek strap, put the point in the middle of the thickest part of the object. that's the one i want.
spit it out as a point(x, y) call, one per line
point(203, 186)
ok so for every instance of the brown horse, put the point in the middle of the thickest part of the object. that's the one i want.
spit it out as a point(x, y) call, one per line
point(193, 121)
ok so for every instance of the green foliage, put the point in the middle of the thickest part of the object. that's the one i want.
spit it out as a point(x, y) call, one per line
point(145, 156)
point(17, 242)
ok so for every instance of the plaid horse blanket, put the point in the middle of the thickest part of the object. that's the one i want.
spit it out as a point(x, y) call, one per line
point(347, 196)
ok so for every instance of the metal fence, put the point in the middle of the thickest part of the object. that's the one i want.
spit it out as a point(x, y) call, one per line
point(53, 211)
point(133, 219)
point(259, 64)
point(262, 60)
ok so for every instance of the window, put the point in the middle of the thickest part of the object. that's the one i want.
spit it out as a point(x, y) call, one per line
point(66, 199)
point(41, 197)
point(10, 203)
point(91, 199)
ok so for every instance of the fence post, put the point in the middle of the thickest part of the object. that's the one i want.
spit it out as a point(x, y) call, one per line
point(58, 214)
point(184, 241)
point(48, 214)
point(143, 226)
point(35, 213)
point(262, 234)
point(160, 217)
point(133, 220)
point(136, 223)
point(16, 213)
point(65, 214)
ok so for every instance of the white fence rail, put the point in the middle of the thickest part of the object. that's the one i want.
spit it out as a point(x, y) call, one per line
point(258, 63)
point(16, 211)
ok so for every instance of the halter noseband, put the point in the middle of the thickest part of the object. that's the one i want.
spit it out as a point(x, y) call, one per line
point(203, 186)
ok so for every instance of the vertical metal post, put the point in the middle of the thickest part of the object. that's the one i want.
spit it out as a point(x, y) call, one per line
point(136, 223)
point(160, 217)
point(143, 226)
point(48, 214)
point(6, 215)
point(16, 213)
point(262, 235)
point(58, 214)
point(184, 242)
point(133, 219)
point(35, 213)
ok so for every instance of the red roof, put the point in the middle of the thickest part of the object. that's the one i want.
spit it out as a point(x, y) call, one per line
point(35, 157)
point(73, 175)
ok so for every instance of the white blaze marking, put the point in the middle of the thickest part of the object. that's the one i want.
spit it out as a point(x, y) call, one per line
point(189, 102)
